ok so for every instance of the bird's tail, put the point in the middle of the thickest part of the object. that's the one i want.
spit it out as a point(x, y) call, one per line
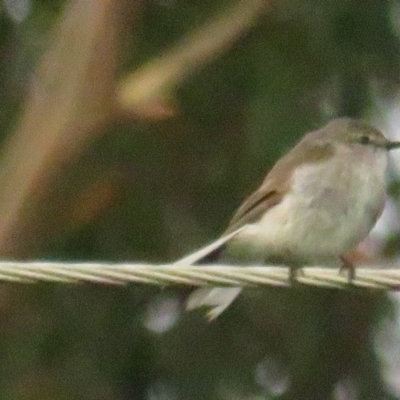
point(216, 299)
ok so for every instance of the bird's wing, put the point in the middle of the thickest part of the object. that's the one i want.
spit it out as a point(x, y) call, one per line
point(278, 181)
point(255, 206)
point(258, 203)
point(269, 194)
point(204, 252)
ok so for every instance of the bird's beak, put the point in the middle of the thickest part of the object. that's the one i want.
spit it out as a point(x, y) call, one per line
point(392, 145)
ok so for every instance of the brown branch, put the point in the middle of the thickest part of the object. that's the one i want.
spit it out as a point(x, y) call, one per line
point(151, 83)
point(74, 96)
point(71, 98)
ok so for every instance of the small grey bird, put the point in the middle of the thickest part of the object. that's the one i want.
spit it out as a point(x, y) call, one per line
point(317, 203)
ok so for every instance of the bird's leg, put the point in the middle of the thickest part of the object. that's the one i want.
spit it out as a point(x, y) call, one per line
point(349, 267)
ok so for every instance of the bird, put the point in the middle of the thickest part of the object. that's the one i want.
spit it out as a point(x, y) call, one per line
point(318, 202)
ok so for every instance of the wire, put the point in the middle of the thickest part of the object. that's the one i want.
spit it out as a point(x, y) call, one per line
point(192, 275)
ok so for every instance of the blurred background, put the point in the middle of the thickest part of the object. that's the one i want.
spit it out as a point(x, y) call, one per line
point(131, 131)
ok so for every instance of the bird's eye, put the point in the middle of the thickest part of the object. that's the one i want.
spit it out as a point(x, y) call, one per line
point(364, 139)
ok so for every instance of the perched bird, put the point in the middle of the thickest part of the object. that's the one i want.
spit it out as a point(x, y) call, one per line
point(318, 202)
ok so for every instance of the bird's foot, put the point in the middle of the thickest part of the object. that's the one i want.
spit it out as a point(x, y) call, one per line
point(294, 273)
point(349, 268)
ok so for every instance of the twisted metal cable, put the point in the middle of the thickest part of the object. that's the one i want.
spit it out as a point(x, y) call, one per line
point(192, 275)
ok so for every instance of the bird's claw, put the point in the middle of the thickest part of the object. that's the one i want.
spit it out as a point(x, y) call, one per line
point(294, 273)
point(348, 268)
